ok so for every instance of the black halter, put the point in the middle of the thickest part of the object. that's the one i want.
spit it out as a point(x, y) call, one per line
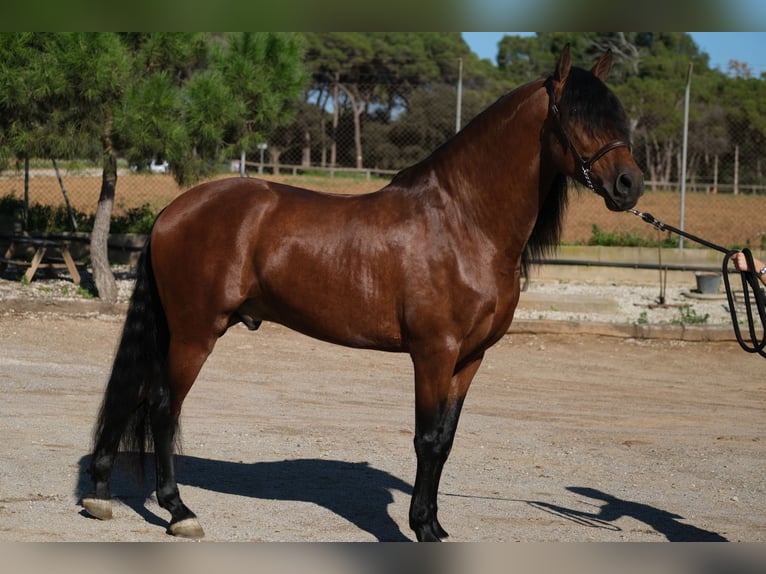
point(586, 162)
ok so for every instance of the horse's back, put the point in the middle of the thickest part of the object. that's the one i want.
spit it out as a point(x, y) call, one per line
point(220, 215)
point(205, 204)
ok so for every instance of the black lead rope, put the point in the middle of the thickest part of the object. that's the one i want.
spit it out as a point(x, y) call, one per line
point(750, 286)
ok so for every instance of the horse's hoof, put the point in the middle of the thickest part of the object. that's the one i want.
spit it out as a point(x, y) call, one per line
point(100, 508)
point(187, 528)
point(430, 532)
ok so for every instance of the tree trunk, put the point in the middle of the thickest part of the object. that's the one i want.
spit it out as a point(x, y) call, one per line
point(358, 137)
point(275, 153)
point(99, 238)
point(306, 155)
point(323, 124)
point(357, 107)
point(715, 174)
point(335, 119)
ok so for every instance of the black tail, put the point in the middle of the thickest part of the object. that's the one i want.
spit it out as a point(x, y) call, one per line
point(138, 383)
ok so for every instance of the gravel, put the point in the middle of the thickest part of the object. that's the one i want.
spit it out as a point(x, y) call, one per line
point(563, 438)
point(581, 301)
point(614, 303)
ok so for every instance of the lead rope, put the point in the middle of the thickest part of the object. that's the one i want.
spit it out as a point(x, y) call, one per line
point(750, 286)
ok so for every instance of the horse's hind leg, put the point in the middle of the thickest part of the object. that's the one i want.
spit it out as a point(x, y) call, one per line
point(99, 503)
point(184, 363)
point(123, 411)
point(438, 401)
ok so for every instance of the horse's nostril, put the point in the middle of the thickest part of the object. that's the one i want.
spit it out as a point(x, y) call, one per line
point(624, 184)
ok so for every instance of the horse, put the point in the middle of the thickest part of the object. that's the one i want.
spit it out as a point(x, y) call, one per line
point(428, 265)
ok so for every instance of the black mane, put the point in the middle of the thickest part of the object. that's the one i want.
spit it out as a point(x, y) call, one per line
point(589, 104)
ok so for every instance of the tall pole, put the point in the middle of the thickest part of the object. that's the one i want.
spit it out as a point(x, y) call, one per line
point(683, 152)
point(25, 213)
point(66, 196)
point(459, 94)
point(261, 147)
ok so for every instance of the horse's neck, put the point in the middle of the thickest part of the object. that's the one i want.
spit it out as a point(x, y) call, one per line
point(492, 169)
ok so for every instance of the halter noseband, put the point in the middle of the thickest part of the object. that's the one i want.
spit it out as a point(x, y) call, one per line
point(586, 162)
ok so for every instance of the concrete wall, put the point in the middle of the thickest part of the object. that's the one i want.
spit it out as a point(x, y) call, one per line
point(599, 264)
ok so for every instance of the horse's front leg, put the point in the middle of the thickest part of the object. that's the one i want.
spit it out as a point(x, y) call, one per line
point(439, 394)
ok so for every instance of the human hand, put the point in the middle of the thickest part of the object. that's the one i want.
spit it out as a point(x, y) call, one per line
point(740, 261)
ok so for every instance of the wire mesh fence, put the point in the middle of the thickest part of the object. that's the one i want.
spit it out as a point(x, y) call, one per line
point(358, 150)
point(725, 218)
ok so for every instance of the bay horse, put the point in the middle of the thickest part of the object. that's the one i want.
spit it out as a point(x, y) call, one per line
point(429, 265)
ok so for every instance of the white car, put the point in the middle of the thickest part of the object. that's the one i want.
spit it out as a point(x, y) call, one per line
point(157, 167)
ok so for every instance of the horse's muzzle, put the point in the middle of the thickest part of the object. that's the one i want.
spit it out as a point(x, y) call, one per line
point(624, 193)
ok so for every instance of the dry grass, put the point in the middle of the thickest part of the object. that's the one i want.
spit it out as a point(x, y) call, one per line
point(723, 219)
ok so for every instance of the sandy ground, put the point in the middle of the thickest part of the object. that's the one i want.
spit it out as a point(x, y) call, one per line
point(563, 438)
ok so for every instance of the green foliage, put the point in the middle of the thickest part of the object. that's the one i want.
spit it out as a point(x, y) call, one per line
point(55, 219)
point(688, 316)
point(394, 92)
point(85, 293)
point(135, 220)
point(260, 70)
point(10, 204)
point(57, 91)
point(189, 98)
point(624, 239)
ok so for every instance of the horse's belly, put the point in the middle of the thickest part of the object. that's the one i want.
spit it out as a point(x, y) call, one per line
point(329, 319)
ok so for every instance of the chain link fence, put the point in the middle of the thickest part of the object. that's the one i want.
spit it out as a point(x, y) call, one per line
point(358, 150)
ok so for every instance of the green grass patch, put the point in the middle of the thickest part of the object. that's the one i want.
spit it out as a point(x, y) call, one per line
point(625, 239)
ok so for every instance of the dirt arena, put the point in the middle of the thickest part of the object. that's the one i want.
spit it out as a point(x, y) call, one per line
point(562, 438)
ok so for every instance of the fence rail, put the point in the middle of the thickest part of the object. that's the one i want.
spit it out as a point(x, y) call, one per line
point(724, 218)
point(295, 170)
point(708, 187)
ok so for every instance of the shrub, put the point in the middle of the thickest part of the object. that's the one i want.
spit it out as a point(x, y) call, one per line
point(134, 220)
point(55, 219)
point(625, 239)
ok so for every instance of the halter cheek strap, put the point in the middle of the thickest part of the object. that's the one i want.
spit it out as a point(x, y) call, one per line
point(586, 162)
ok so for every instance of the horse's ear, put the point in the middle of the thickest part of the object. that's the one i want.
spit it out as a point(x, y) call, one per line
point(563, 65)
point(602, 67)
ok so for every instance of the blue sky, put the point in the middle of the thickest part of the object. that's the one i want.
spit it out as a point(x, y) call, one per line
point(749, 47)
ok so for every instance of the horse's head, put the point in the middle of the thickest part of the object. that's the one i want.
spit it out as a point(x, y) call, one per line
point(589, 134)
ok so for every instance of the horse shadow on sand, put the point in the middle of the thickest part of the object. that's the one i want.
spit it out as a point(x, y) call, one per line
point(661, 521)
point(356, 491)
